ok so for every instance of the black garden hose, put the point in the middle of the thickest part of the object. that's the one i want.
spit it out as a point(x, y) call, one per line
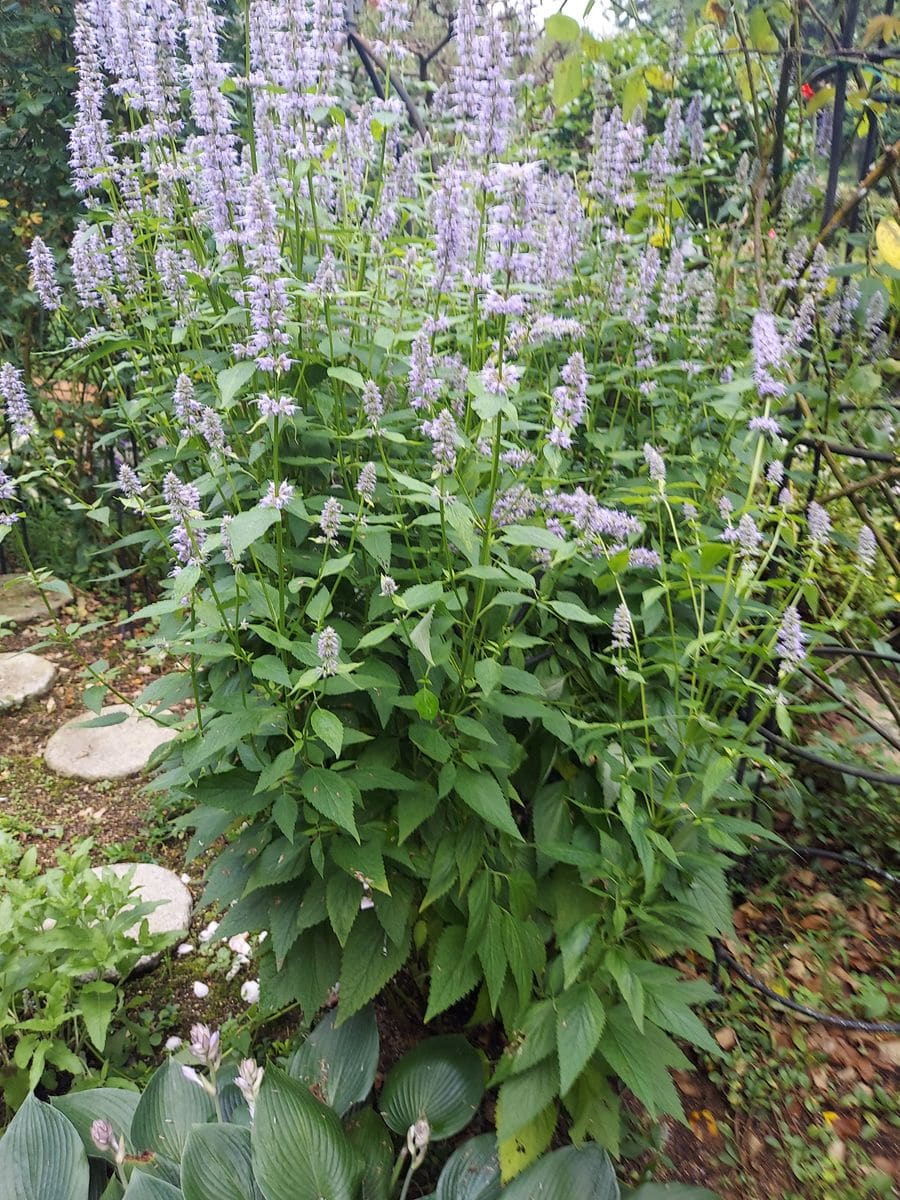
point(726, 958)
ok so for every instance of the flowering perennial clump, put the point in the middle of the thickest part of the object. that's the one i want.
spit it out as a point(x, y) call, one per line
point(388, 407)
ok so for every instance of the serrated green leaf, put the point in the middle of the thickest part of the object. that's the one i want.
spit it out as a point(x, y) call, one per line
point(580, 1018)
point(370, 960)
point(327, 727)
point(333, 794)
point(453, 972)
point(481, 792)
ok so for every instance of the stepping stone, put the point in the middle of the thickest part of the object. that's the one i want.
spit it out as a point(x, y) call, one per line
point(153, 883)
point(21, 601)
point(22, 677)
point(107, 751)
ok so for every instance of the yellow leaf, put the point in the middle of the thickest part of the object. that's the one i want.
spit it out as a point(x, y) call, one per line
point(635, 97)
point(658, 78)
point(822, 97)
point(887, 239)
point(528, 1143)
point(715, 12)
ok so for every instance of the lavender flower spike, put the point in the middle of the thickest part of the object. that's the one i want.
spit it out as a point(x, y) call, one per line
point(790, 646)
point(328, 649)
point(43, 275)
point(819, 524)
point(866, 548)
point(18, 406)
point(621, 628)
point(655, 465)
point(277, 497)
point(768, 354)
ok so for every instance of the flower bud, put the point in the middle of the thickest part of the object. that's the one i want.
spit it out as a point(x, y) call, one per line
point(205, 1045)
point(104, 1138)
point(248, 1081)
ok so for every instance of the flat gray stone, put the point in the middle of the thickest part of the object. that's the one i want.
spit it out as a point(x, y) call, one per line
point(21, 601)
point(23, 677)
point(107, 751)
point(153, 883)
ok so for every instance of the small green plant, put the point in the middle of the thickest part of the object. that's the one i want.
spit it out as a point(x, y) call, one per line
point(66, 936)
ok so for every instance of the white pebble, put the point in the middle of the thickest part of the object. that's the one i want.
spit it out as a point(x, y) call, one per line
point(250, 991)
point(201, 990)
point(173, 1043)
point(184, 948)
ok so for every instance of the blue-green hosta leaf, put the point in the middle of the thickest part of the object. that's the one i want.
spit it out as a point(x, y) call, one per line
point(300, 1150)
point(472, 1172)
point(565, 1174)
point(217, 1164)
point(41, 1156)
point(339, 1062)
point(372, 1141)
point(440, 1080)
point(142, 1186)
point(109, 1104)
point(169, 1106)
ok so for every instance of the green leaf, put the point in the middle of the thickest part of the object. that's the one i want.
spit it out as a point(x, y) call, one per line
point(147, 1187)
point(270, 668)
point(628, 984)
point(109, 1104)
point(169, 1106)
point(524, 1097)
point(248, 526)
point(232, 379)
point(453, 973)
point(327, 727)
point(333, 795)
point(586, 1173)
point(98, 1001)
point(573, 612)
point(641, 1060)
point(420, 636)
point(562, 28)
point(300, 1150)
point(579, 1023)
point(482, 793)
point(217, 1164)
point(347, 375)
point(568, 79)
point(472, 1172)
point(635, 96)
point(370, 960)
point(440, 1079)
point(41, 1156)
point(339, 1062)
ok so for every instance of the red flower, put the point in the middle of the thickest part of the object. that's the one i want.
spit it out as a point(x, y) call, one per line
point(807, 92)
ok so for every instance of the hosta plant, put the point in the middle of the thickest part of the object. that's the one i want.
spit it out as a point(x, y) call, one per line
point(68, 936)
point(300, 1131)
